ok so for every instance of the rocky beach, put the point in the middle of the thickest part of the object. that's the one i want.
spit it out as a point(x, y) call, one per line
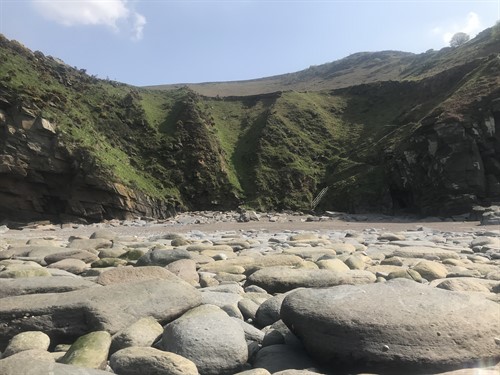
point(246, 293)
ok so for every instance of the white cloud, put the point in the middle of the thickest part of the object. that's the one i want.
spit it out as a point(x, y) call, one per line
point(471, 25)
point(138, 27)
point(115, 14)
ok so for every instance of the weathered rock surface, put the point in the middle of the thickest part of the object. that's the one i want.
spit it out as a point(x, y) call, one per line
point(89, 351)
point(127, 303)
point(161, 257)
point(269, 311)
point(143, 332)
point(134, 274)
point(283, 279)
point(17, 287)
point(210, 338)
point(150, 361)
point(410, 327)
point(27, 341)
point(17, 365)
point(66, 316)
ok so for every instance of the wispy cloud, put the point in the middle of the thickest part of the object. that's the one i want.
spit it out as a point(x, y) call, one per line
point(470, 25)
point(115, 14)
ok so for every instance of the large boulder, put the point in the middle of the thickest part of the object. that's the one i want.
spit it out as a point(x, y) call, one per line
point(67, 316)
point(399, 326)
point(210, 338)
point(284, 279)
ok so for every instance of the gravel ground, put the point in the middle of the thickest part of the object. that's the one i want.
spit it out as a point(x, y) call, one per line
point(209, 223)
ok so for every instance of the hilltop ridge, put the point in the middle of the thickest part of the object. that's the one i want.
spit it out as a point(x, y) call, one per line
point(357, 68)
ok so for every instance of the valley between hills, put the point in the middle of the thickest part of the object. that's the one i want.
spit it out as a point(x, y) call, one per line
point(388, 132)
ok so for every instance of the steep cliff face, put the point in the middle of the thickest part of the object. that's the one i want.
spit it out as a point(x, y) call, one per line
point(198, 154)
point(40, 178)
point(449, 163)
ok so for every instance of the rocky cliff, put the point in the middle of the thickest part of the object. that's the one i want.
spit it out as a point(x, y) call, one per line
point(391, 132)
point(40, 178)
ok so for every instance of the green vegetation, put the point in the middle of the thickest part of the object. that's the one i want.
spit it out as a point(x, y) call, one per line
point(275, 150)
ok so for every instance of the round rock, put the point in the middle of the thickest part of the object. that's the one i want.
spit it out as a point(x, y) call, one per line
point(150, 361)
point(210, 338)
point(28, 340)
point(397, 326)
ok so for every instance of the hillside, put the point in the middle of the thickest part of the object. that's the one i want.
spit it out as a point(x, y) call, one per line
point(358, 68)
point(385, 131)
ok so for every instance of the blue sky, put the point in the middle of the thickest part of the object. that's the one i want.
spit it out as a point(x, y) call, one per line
point(145, 42)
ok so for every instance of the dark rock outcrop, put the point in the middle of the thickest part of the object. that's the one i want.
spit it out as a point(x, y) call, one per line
point(42, 178)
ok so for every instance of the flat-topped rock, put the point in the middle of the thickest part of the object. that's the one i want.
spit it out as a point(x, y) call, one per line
point(150, 361)
point(283, 279)
point(17, 287)
point(66, 316)
point(401, 327)
point(133, 274)
point(425, 252)
point(83, 255)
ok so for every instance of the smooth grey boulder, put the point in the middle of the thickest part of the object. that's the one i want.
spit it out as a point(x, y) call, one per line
point(400, 326)
point(75, 266)
point(22, 271)
point(248, 308)
point(466, 284)
point(185, 269)
point(210, 338)
point(220, 299)
point(150, 361)
point(103, 234)
point(83, 255)
point(425, 252)
point(29, 285)
point(162, 257)
point(27, 341)
point(67, 316)
point(143, 332)
point(37, 252)
point(430, 270)
point(17, 365)
point(133, 274)
point(283, 279)
point(90, 244)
